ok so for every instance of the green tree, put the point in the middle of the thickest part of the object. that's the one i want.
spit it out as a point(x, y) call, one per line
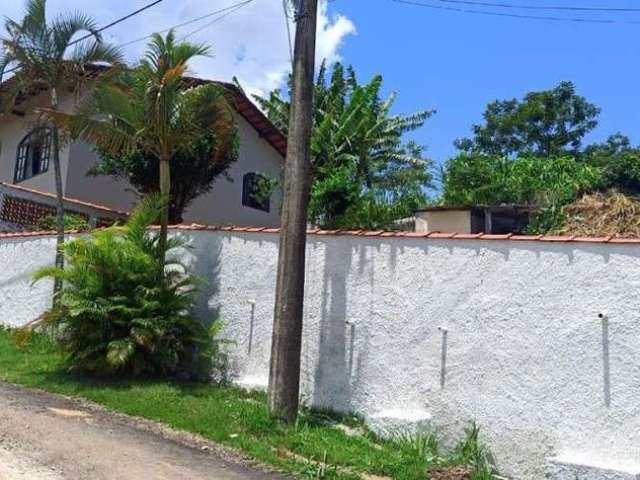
point(619, 161)
point(149, 110)
point(545, 124)
point(40, 50)
point(360, 162)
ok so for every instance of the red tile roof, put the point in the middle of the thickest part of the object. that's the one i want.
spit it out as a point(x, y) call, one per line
point(387, 234)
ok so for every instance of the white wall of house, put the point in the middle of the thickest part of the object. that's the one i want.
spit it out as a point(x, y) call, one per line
point(527, 356)
point(13, 129)
point(222, 205)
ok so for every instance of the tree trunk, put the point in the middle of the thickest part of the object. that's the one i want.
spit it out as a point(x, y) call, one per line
point(165, 191)
point(284, 375)
point(55, 144)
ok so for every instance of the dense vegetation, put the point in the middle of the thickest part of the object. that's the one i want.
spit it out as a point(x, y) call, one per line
point(364, 174)
point(124, 310)
point(527, 151)
point(531, 151)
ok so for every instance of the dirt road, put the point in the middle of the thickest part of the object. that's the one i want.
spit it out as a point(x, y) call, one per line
point(46, 437)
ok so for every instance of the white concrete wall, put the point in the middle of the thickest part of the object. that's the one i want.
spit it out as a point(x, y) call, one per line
point(527, 356)
point(20, 301)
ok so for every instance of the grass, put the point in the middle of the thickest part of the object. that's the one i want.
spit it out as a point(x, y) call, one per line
point(313, 447)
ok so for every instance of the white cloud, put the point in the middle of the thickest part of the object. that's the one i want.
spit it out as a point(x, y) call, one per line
point(251, 43)
point(331, 34)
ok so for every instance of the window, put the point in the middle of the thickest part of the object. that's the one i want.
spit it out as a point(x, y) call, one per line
point(33, 154)
point(255, 192)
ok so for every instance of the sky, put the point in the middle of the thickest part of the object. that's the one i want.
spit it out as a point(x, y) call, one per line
point(450, 61)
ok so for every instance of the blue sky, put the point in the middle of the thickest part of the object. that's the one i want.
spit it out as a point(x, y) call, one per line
point(456, 63)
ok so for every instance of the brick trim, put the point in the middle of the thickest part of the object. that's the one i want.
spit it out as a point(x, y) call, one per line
point(386, 234)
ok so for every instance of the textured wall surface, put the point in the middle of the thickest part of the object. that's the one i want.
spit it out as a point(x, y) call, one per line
point(20, 301)
point(503, 333)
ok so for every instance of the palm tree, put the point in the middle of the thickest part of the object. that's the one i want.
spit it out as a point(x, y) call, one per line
point(42, 58)
point(151, 109)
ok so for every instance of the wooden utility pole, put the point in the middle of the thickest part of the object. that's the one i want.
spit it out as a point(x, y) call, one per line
point(284, 374)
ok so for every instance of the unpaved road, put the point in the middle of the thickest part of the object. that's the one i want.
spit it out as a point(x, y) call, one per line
point(48, 437)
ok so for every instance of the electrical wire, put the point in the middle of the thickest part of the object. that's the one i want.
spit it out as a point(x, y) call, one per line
point(189, 22)
point(216, 20)
point(513, 15)
point(542, 7)
point(101, 29)
point(116, 22)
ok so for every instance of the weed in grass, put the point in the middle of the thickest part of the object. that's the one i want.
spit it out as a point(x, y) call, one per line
point(423, 445)
point(472, 452)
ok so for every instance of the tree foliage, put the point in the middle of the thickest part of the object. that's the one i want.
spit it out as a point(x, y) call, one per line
point(365, 175)
point(123, 309)
point(619, 161)
point(531, 151)
point(475, 179)
point(545, 124)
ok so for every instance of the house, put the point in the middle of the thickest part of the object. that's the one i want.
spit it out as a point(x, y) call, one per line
point(26, 162)
point(498, 219)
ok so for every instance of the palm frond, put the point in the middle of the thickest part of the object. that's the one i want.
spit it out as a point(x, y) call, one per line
point(65, 26)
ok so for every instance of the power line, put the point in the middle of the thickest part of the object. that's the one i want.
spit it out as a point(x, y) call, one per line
point(216, 20)
point(101, 29)
point(116, 22)
point(512, 15)
point(189, 22)
point(542, 7)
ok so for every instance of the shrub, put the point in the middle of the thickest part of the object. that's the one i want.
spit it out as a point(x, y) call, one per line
point(121, 310)
point(71, 222)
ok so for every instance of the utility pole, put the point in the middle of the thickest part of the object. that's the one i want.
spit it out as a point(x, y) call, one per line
point(284, 374)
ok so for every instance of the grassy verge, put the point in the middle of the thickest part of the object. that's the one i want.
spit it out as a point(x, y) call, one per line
point(314, 447)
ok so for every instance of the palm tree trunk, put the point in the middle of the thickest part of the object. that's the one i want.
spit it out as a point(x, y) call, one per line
point(55, 140)
point(165, 191)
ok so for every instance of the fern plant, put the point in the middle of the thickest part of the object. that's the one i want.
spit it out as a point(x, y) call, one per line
point(123, 309)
